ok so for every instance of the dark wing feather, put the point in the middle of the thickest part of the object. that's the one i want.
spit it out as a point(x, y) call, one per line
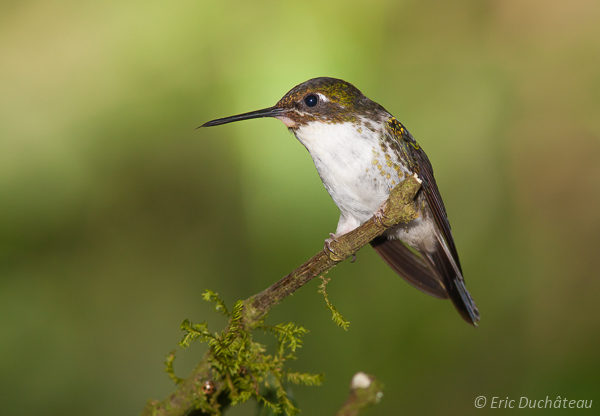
point(434, 199)
point(443, 261)
point(445, 257)
point(411, 266)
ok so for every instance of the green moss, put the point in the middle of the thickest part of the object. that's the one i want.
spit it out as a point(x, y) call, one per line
point(336, 316)
point(241, 367)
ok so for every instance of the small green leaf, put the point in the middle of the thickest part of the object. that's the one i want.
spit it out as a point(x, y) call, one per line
point(211, 296)
point(169, 367)
point(336, 316)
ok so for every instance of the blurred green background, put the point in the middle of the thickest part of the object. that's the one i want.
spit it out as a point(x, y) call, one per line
point(115, 214)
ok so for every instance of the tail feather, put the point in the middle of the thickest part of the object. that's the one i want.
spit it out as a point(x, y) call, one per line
point(460, 296)
point(467, 301)
point(411, 266)
point(435, 273)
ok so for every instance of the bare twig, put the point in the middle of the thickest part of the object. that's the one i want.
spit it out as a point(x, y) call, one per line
point(365, 391)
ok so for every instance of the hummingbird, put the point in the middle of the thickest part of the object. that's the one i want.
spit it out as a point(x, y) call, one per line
point(361, 152)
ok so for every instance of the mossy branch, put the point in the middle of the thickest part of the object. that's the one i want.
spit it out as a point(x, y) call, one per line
point(191, 393)
point(399, 209)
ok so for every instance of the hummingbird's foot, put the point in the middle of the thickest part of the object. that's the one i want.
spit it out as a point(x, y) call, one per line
point(331, 252)
point(379, 215)
point(328, 241)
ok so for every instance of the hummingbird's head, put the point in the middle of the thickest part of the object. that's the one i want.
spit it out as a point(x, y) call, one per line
point(327, 100)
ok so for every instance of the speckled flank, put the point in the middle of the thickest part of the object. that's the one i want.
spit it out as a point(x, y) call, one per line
point(396, 140)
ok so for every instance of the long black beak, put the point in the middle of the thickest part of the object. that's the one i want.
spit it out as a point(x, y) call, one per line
point(265, 112)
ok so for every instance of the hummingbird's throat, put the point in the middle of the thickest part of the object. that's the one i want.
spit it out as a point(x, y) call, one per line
point(289, 123)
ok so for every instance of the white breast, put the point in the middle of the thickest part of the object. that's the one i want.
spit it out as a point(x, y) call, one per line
point(352, 166)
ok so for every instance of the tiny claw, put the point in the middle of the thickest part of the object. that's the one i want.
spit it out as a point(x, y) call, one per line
point(379, 215)
point(353, 258)
point(328, 241)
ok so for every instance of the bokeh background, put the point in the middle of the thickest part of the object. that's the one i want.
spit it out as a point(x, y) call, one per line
point(115, 214)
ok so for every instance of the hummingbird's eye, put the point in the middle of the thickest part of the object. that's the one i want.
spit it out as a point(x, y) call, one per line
point(311, 100)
